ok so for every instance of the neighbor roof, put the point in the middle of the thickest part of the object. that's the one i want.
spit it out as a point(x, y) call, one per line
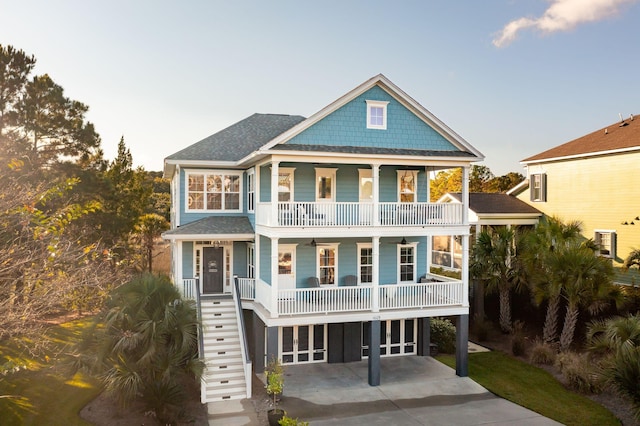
point(238, 140)
point(228, 227)
point(620, 136)
point(496, 203)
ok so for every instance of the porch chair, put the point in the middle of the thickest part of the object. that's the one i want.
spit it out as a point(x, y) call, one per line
point(352, 281)
point(314, 282)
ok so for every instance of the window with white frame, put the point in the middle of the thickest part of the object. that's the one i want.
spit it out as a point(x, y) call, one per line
point(538, 190)
point(407, 186)
point(406, 263)
point(251, 190)
point(251, 261)
point(285, 185)
point(327, 264)
point(213, 191)
point(377, 115)
point(325, 184)
point(365, 263)
point(606, 241)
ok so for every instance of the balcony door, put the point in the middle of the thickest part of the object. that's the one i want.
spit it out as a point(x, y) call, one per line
point(365, 196)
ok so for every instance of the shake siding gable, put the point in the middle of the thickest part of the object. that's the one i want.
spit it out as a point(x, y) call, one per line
point(347, 126)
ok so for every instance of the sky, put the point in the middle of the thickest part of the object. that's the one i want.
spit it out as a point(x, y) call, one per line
point(512, 77)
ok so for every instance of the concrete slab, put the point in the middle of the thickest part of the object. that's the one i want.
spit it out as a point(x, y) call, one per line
point(413, 391)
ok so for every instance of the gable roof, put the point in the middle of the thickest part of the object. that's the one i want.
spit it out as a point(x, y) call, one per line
point(618, 137)
point(496, 203)
point(399, 95)
point(213, 227)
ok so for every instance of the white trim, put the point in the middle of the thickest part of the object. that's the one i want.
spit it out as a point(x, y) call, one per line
point(371, 104)
point(202, 237)
point(205, 173)
point(333, 246)
point(414, 246)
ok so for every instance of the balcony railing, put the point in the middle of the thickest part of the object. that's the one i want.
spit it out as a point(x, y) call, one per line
point(305, 301)
point(354, 214)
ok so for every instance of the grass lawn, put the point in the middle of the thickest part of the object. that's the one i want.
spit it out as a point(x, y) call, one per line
point(533, 388)
point(47, 393)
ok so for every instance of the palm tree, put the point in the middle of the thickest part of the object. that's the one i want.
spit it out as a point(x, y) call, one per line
point(539, 247)
point(492, 258)
point(586, 281)
point(144, 344)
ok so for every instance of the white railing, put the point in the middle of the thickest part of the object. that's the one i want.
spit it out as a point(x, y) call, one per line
point(420, 295)
point(354, 214)
point(189, 289)
point(247, 288)
point(244, 348)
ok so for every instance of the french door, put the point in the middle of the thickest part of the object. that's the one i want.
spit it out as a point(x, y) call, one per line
point(301, 344)
point(397, 337)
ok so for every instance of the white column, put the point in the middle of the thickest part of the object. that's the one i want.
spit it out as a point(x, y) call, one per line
point(256, 260)
point(465, 270)
point(375, 177)
point(375, 285)
point(274, 193)
point(465, 195)
point(274, 277)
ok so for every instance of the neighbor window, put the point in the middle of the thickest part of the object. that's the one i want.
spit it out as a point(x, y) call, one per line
point(213, 191)
point(538, 188)
point(377, 115)
point(606, 241)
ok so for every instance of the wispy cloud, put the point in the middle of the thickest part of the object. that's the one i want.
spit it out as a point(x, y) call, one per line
point(562, 15)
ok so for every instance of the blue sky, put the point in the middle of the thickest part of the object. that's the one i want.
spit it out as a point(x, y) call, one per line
point(513, 77)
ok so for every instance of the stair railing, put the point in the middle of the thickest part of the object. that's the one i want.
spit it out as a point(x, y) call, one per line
point(244, 348)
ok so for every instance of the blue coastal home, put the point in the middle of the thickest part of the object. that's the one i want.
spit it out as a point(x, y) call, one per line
point(309, 239)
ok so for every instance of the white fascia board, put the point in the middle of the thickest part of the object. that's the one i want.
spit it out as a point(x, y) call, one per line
point(199, 237)
point(581, 156)
point(199, 164)
point(519, 187)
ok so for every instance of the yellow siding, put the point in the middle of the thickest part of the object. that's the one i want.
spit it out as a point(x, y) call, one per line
point(601, 192)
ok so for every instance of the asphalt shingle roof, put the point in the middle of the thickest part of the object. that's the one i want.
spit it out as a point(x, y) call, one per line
point(620, 135)
point(494, 203)
point(240, 139)
point(370, 150)
point(215, 225)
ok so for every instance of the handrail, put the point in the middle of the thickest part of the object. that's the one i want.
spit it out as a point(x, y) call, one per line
point(244, 348)
point(199, 315)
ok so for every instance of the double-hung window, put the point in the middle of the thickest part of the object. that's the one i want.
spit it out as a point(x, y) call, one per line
point(377, 115)
point(251, 190)
point(606, 241)
point(327, 264)
point(406, 263)
point(365, 263)
point(407, 186)
point(538, 183)
point(213, 191)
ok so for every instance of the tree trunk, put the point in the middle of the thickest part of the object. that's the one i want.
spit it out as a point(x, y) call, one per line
point(570, 321)
point(550, 330)
point(505, 311)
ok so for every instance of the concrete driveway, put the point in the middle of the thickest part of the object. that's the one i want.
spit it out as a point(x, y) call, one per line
point(413, 391)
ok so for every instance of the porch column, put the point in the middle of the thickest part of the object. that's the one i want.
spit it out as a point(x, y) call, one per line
point(374, 353)
point(424, 336)
point(465, 270)
point(462, 345)
point(465, 195)
point(375, 285)
point(256, 260)
point(275, 174)
point(271, 350)
point(375, 177)
point(274, 277)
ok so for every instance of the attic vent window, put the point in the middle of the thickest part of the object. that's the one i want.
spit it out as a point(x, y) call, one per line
point(377, 115)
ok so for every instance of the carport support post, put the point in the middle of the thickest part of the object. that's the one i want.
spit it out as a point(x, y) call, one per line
point(462, 345)
point(374, 353)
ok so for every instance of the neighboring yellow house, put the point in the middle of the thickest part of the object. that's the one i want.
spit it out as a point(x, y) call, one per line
point(594, 179)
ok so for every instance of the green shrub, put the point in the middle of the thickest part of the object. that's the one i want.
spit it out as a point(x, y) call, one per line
point(443, 334)
point(580, 372)
point(288, 421)
point(542, 353)
point(481, 328)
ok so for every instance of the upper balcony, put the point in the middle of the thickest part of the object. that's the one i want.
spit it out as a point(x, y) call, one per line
point(355, 214)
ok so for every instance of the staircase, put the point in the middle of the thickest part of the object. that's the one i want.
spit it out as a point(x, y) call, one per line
point(224, 376)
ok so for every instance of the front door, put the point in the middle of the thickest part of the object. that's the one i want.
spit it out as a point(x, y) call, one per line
point(213, 270)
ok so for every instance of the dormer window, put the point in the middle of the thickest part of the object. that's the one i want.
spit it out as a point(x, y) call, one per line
point(377, 115)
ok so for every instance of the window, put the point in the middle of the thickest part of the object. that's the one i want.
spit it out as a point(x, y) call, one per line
point(251, 190)
point(606, 241)
point(285, 185)
point(251, 268)
point(407, 186)
point(377, 115)
point(327, 265)
point(538, 187)
point(213, 191)
point(325, 184)
point(406, 263)
point(365, 263)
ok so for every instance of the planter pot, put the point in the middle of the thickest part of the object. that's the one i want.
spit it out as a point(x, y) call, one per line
point(274, 415)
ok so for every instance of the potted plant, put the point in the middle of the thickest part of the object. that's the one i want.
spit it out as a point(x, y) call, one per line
point(275, 385)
